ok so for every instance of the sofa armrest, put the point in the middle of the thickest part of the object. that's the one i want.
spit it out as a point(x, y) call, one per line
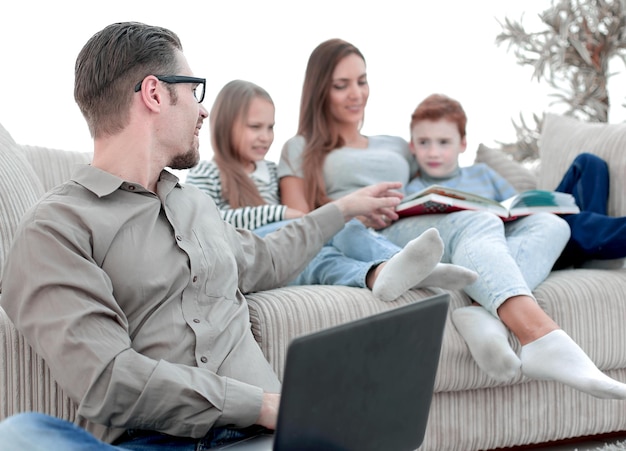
point(25, 378)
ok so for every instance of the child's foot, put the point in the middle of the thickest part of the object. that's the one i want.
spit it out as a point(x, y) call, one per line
point(446, 275)
point(555, 356)
point(488, 341)
point(409, 266)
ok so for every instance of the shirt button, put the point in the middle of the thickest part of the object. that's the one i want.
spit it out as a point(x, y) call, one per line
point(196, 320)
point(195, 279)
point(179, 238)
point(203, 359)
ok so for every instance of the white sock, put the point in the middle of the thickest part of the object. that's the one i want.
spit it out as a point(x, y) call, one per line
point(409, 266)
point(446, 275)
point(555, 356)
point(488, 341)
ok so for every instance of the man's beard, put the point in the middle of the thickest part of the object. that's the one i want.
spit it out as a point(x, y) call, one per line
point(186, 160)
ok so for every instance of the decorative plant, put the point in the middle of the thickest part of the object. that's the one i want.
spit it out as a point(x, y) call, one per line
point(572, 55)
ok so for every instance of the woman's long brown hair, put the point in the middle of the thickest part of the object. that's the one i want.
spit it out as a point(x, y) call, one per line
point(320, 134)
point(231, 106)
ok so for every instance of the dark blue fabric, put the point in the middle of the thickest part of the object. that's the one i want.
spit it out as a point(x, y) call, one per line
point(34, 431)
point(136, 440)
point(595, 235)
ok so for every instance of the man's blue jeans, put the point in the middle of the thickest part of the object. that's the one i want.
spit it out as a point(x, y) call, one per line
point(39, 432)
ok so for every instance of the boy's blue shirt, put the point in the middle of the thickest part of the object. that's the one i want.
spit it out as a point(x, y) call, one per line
point(477, 179)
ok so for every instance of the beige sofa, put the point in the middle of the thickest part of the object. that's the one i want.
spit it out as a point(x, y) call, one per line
point(470, 411)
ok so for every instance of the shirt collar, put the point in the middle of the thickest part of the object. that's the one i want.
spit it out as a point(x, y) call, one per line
point(103, 183)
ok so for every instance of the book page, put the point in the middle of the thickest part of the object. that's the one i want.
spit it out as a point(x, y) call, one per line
point(452, 193)
point(533, 201)
point(539, 198)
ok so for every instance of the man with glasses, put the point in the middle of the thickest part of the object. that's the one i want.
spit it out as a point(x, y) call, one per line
point(131, 286)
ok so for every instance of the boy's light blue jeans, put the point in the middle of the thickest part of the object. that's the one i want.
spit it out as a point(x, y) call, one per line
point(346, 258)
point(38, 432)
point(511, 258)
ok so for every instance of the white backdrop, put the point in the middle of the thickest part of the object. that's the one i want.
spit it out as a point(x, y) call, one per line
point(412, 50)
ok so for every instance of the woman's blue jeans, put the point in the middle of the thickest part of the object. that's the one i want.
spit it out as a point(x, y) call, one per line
point(346, 259)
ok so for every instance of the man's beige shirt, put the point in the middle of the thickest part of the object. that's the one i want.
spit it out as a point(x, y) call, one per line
point(134, 299)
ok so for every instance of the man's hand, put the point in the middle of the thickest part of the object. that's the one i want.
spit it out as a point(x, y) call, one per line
point(375, 202)
point(269, 410)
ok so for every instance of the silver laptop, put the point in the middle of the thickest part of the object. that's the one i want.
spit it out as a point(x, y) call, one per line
point(364, 385)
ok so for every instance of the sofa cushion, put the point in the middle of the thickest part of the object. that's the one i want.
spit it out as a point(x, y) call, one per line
point(563, 138)
point(568, 296)
point(19, 190)
point(517, 175)
point(54, 166)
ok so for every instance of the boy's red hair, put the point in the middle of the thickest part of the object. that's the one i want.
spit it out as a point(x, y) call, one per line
point(438, 106)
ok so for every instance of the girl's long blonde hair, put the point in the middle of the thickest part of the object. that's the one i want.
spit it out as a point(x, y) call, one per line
point(230, 107)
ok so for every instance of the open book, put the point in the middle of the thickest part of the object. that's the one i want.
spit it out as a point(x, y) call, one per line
point(441, 199)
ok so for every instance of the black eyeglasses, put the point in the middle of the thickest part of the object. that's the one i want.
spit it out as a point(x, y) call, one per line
point(198, 90)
